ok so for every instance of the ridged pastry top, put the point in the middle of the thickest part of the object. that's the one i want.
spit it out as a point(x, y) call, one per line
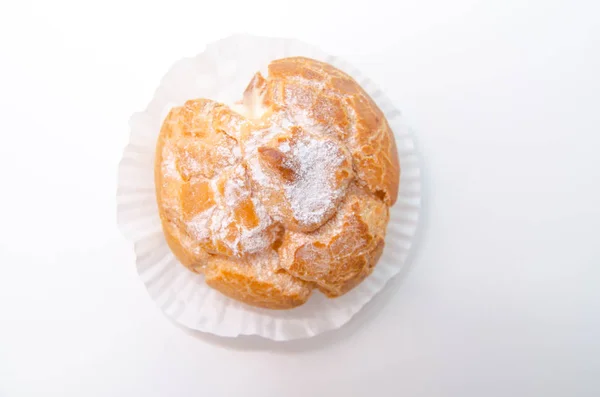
point(287, 190)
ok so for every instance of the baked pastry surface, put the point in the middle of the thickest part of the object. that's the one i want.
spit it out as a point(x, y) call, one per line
point(286, 191)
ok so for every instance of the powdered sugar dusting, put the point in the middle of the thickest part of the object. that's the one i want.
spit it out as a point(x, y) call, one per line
point(169, 166)
point(221, 225)
point(311, 194)
point(258, 238)
point(303, 197)
point(303, 118)
point(198, 225)
point(257, 173)
point(260, 137)
point(235, 187)
point(284, 147)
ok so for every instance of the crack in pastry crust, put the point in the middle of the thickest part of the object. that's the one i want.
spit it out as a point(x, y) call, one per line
point(285, 191)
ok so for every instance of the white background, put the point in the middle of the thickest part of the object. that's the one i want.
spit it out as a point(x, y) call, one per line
point(503, 295)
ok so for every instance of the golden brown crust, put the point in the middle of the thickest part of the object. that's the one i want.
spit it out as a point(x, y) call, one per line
point(289, 192)
point(183, 247)
point(342, 253)
point(257, 280)
point(343, 108)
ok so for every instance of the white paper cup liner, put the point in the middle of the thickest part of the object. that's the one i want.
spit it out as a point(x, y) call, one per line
point(222, 73)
